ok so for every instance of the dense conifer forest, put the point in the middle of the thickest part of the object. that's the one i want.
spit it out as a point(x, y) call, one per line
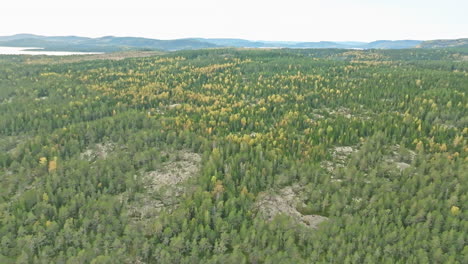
point(236, 156)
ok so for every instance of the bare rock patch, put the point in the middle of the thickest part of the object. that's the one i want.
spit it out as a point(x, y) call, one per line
point(400, 158)
point(164, 187)
point(98, 151)
point(340, 156)
point(178, 169)
point(285, 201)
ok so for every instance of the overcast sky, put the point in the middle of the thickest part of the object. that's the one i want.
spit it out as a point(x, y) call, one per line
point(299, 20)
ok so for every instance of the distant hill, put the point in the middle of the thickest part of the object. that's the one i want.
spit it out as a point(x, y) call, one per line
point(232, 42)
point(112, 44)
point(103, 44)
point(445, 43)
point(381, 44)
point(392, 44)
point(277, 44)
point(321, 45)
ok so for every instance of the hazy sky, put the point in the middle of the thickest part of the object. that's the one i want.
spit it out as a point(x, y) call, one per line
point(300, 20)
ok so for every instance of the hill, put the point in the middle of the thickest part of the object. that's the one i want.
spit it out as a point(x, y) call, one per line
point(111, 43)
point(103, 44)
point(445, 43)
point(392, 44)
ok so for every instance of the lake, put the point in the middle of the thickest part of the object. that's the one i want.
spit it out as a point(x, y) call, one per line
point(28, 51)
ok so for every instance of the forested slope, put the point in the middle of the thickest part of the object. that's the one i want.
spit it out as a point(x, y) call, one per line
point(236, 156)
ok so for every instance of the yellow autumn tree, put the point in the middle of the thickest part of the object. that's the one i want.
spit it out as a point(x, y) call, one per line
point(455, 210)
point(443, 147)
point(42, 160)
point(45, 197)
point(243, 121)
point(53, 165)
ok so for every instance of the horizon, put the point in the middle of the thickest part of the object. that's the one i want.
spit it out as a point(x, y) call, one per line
point(253, 40)
point(295, 20)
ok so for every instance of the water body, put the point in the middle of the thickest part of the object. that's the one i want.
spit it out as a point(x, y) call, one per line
point(35, 51)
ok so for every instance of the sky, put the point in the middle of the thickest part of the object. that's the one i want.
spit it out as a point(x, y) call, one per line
point(291, 20)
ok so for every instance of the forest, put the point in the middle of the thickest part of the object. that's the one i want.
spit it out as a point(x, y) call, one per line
point(236, 156)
